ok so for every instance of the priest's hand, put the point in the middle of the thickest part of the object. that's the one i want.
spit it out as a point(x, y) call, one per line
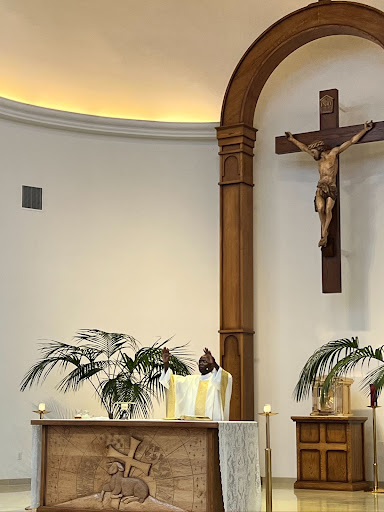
point(165, 355)
point(210, 358)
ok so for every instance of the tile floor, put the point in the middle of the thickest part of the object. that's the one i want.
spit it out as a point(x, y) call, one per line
point(286, 499)
point(16, 497)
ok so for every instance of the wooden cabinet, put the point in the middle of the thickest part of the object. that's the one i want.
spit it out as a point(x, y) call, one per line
point(330, 453)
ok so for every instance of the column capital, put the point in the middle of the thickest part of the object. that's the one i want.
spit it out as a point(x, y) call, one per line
point(241, 135)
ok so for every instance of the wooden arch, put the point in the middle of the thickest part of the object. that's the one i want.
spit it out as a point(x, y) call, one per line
point(236, 136)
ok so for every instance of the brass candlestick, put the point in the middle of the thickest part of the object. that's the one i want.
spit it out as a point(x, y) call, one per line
point(268, 462)
point(42, 413)
point(376, 489)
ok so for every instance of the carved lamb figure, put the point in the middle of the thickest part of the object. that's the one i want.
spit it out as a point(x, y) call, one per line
point(128, 488)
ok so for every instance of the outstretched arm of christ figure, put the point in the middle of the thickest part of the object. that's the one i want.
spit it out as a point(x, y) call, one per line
point(300, 145)
point(368, 125)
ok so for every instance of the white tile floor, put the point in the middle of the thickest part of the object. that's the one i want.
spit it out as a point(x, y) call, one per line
point(14, 500)
point(285, 499)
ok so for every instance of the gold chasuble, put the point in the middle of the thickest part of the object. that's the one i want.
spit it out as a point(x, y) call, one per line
point(198, 395)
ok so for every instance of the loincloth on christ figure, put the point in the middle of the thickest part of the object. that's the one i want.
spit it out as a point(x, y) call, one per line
point(325, 190)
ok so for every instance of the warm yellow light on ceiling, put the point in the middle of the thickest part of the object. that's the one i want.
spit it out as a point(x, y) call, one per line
point(112, 111)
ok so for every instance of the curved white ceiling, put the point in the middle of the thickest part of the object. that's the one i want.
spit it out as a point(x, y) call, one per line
point(164, 60)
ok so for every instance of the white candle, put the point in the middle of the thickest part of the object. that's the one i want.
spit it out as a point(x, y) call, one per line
point(124, 406)
point(267, 408)
point(42, 406)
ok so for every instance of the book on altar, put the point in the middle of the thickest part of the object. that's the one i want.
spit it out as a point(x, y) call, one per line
point(189, 418)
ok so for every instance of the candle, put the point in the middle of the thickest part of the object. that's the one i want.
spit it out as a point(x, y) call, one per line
point(373, 392)
point(124, 406)
point(267, 408)
point(42, 406)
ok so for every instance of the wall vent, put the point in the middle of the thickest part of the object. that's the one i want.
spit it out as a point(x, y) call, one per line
point(32, 197)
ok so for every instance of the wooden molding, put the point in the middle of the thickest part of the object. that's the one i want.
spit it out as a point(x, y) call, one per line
point(58, 119)
point(317, 20)
point(125, 423)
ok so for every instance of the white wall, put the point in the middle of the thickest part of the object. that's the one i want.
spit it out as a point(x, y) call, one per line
point(292, 316)
point(127, 242)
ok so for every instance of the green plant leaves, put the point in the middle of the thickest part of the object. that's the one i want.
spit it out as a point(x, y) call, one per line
point(336, 359)
point(101, 359)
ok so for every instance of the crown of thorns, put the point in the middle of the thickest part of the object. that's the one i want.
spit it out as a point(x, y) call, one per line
point(317, 145)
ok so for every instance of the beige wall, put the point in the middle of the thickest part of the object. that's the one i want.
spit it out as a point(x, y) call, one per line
point(127, 242)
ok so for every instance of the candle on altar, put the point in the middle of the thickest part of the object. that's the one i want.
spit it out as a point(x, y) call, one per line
point(372, 389)
point(267, 408)
point(42, 406)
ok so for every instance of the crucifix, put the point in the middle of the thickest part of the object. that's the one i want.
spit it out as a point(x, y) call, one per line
point(325, 146)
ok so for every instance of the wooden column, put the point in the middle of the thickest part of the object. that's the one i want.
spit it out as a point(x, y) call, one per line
point(236, 264)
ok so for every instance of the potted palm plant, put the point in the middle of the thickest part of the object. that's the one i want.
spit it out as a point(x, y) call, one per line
point(114, 364)
point(336, 359)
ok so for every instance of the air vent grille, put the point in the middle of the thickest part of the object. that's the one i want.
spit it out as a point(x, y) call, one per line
point(32, 197)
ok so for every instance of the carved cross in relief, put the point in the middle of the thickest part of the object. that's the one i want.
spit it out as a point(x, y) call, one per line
point(129, 460)
point(332, 136)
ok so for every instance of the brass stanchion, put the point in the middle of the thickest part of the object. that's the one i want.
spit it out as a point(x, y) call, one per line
point(374, 406)
point(268, 458)
point(376, 489)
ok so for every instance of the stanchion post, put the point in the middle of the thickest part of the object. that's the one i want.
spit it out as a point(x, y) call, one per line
point(376, 489)
point(268, 458)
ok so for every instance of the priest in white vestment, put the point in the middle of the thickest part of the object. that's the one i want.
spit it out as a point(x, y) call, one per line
point(206, 395)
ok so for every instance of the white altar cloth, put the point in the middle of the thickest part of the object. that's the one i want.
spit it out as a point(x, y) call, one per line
point(239, 465)
point(36, 465)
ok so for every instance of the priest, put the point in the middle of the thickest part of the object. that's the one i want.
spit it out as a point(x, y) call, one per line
point(207, 395)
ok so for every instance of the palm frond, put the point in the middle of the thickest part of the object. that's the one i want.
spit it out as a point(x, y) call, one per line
point(321, 362)
point(107, 343)
point(54, 355)
point(375, 377)
point(349, 362)
point(108, 390)
point(79, 375)
point(148, 364)
point(181, 360)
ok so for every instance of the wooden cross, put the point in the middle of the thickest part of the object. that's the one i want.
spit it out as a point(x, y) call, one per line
point(333, 136)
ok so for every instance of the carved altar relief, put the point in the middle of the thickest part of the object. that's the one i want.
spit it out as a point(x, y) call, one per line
point(126, 469)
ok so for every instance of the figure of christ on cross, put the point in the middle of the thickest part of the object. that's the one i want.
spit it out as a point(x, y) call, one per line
point(328, 164)
point(332, 140)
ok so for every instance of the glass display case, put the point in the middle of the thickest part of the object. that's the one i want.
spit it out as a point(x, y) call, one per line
point(338, 400)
